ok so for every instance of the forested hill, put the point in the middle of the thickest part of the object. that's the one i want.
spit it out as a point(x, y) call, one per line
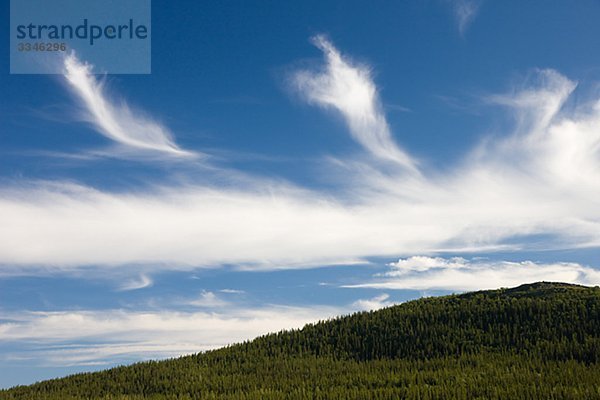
point(534, 341)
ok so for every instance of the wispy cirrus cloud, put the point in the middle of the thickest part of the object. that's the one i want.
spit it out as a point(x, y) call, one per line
point(423, 272)
point(348, 88)
point(232, 291)
point(117, 122)
point(142, 282)
point(208, 299)
point(465, 12)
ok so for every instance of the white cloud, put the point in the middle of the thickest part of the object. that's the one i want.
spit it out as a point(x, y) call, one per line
point(375, 303)
point(424, 263)
point(537, 104)
point(68, 226)
point(208, 299)
point(117, 121)
point(112, 336)
point(142, 282)
point(348, 88)
point(422, 273)
point(232, 291)
point(465, 12)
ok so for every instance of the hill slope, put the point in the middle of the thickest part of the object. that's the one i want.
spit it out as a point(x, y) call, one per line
point(534, 341)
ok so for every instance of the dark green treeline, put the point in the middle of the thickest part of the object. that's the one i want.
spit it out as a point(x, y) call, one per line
point(538, 341)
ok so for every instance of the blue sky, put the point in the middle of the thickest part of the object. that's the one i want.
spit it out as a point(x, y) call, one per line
point(285, 163)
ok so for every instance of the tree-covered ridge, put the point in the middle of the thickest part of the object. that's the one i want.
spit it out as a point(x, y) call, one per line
point(556, 321)
point(534, 341)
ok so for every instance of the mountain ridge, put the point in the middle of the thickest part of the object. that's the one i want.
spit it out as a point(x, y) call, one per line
point(546, 331)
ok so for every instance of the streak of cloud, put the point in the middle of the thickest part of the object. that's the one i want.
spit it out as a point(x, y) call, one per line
point(348, 88)
point(100, 337)
point(374, 303)
point(142, 282)
point(208, 299)
point(117, 121)
point(422, 272)
point(465, 12)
